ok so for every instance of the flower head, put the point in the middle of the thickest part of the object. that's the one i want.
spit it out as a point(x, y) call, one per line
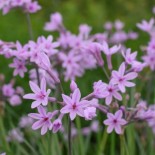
point(121, 79)
point(115, 122)
point(40, 95)
point(73, 104)
point(44, 119)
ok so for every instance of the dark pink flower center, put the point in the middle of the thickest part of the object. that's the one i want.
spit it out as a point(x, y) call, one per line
point(41, 96)
point(46, 118)
point(114, 121)
point(110, 89)
point(74, 106)
point(20, 66)
point(121, 79)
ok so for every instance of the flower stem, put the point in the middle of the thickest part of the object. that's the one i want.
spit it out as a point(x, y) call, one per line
point(29, 26)
point(69, 137)
point(32, 38)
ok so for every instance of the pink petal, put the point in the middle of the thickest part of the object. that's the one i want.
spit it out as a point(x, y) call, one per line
point(34, 87)
point(76, 96)
point(66, 99)
point(37, 124)
point(110, 116)
point(122, 88)
point(44, 129)
point(65, 109)
point(34, 115)
point(131, 76)
point(110, 128)
point(108, 99)
point(122, 69)
point(41, 110)
point(122, 121)
point(117, 96)
point(29, 96)
point(43, 85)
point(107, 122)
point(118, 114)
point(129, 84)
point(80, 112)
point(35, 104)
point(72, 115)
point(118, 129)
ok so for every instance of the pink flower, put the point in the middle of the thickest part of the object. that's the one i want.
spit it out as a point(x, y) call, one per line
point(56, 126)
point(8, 90)
point(84, 30)
point(40, 95)
point(32, 7)
point(118, 25)
point(115, 122)
point(121, 79)
point(44, 119)
point(15, 100)
point(25, 122)
point(109, 51)
point(73, 104)
point(108, 26)
point(146, 26)
point(73, 85)
point(55, 22)
point(19, 66)
point(90, 113)
point(128, 56)
point(150, 59)
point(71, 63)
point(15, 135)
point(100, 89)
point(113, 92)
point(95, 49)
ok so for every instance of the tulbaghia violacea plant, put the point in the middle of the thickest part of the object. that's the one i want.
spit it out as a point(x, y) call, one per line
point(53, 62)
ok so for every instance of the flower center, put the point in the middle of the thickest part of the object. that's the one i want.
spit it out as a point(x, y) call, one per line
point(41, 96)
point(115, 121)
point(46, 118)
point(121, 79)
point(110, 89)
point(74, 106)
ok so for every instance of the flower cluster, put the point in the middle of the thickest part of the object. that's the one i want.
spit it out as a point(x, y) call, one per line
point(68, 58)
point(27, 5)
point(149, 57)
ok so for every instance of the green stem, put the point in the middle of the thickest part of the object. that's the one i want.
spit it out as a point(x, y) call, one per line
point(69, 137)
point(103, 143)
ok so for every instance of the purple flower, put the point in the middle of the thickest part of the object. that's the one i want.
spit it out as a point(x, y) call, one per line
point(100, 89)
point(40, 95)
point(90, 113)
point(15, 100)
point(150, 59)
point(8, 90)
point(146, 26)
point(19, 66)
point(115, 122)
point(118, 25)
point(113, 92)
point(73, 104)
point(109, 51)
point(121, 79)
point(56, 125)
point(44, 119)
point(128, 56)
point(55, 22)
